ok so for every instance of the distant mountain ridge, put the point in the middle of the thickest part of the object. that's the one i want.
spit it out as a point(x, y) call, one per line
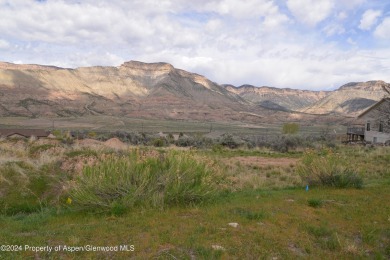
point(286, 98)
point(348, 100)
point(134, 89)
point(158, 90)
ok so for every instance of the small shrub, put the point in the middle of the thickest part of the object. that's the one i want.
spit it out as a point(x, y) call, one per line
point(159, 142)
point(248, 214)
point(118, 209)
point(217, 148)
point(92, 134)
point(228, 141)
point(57, 133)
point(315, 203)
point(286, 143)
point(328, 169)
point(185, 142)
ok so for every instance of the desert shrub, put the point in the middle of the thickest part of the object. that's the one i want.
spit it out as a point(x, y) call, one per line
point(170, 138)
point(228, 141)
point(315, 203)
point(286, 143)
point(203, 142)
point(92, 134)
point(129, 181)
point(328, 169)
point(57, 133)
point(185, 141)
point(160, 142)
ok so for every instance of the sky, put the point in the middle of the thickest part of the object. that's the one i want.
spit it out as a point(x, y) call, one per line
point(301, 44)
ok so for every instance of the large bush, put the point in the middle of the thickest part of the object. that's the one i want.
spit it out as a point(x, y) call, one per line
point(328, 169)
point(159, 181)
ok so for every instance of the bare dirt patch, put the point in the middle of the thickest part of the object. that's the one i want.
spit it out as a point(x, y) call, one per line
point(263, 161)
point(115, 143)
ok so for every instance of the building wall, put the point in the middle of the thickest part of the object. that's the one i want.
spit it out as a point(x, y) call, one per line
point(381, 138)
point(381, 113)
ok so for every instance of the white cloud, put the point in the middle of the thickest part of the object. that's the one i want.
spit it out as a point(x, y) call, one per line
point(310, 12)
point(213, 25)
point(350, 4)
point(243, 9)
point(342, 16)
point(252, 41)
point(4, 44)
point(383, 29)
point(351, 41)
point(369, 19)
point(334, 29)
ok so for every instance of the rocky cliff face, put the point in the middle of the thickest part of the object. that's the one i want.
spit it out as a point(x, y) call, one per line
point(349, 100)
point(279, 99)
point(135, 89)
point(158, 90)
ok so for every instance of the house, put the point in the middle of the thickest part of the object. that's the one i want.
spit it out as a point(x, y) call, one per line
point(377, 122)
point(24, 133)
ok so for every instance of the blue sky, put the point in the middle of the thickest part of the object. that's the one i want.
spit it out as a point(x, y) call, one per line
point(304, 44)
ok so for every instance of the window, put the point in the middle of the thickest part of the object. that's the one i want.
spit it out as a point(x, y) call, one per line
point(368, 128)
point(381, 126)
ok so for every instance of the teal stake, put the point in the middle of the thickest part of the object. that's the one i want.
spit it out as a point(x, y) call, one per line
point(307, 187)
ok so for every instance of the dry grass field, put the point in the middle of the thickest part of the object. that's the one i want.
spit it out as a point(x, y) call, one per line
point(109, 200)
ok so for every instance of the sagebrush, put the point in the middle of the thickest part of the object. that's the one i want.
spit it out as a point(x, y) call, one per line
point(325, 168)
point(168, 179)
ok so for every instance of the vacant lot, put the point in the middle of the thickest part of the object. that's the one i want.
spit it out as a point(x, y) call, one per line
point(195, 204)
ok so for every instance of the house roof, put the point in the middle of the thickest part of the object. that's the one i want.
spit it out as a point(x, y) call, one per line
point(24, 132)
point(374, 106)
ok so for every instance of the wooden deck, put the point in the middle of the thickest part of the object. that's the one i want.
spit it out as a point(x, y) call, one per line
point(355, 134)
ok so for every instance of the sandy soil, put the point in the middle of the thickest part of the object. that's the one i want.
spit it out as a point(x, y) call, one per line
point(115, 143)
point(263, 161)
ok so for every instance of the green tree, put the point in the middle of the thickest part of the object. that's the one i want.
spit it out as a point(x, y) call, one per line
point(290, 128)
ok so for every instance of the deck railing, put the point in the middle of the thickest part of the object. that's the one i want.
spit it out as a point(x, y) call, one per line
point(355, 130)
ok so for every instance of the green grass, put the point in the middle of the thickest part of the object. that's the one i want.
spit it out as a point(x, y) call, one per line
point(225, 152)
point(271, 224)
point(315, 203)
point(276, 216)
point(82, 152)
